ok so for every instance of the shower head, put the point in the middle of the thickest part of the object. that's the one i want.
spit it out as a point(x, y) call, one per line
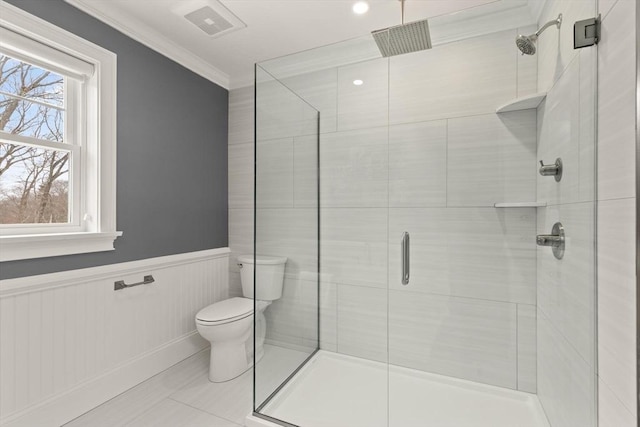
point(404, 38)
point(527, 44)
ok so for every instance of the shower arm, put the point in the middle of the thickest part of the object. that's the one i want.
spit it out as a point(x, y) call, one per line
point(555, 22)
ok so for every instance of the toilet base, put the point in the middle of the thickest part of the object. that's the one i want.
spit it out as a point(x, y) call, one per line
point(227, 362)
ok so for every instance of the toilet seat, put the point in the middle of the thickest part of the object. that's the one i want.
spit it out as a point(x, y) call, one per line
point(229, 310)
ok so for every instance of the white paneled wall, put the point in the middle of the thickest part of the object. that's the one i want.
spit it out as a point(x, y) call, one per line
point(617, 367)
point(417, 147)
point(69, 342)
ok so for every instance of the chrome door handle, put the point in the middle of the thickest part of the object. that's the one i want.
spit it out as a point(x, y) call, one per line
point(406, 264)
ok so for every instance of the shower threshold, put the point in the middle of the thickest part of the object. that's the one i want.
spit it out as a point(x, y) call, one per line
point(334, 390)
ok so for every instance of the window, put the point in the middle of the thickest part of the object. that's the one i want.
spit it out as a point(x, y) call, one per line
point(57, 140)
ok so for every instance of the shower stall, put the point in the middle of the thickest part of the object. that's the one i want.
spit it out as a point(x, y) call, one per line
point(437, 212)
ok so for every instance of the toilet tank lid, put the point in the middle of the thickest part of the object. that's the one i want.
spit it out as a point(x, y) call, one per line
point(262, 259)
point(226, 310)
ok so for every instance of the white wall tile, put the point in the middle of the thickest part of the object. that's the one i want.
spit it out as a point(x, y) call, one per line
point(555, 47)
point(292, 233)
point(566, 287)
point(241, 115)
point(527, 68)
point(305, 171)
point(320, 90)
point(559, 136)
point(604, 6)
point(289, 317)
point(616, 104)
point(240, 242)
point(616, 298)
point(566, 383)
point(354, 246)
point(566, 129)
point(281, 113)
point(484, 253)
point(241, 170)
point(274, 173)
point(491, 159)
point(460, 337)
point(588, 110)
point(472, 76)
point(235, 284)
point(611, 412)
point(418, 164)
point(527, 347)
point(362, 322)
point(328, 316)
point(363, 106)
point(354, 168)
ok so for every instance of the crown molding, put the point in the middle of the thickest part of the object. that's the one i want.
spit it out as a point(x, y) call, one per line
point(156, 41)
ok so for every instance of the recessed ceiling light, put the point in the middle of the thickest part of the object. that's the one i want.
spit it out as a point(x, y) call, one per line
point(360, 7)
point(358, 82)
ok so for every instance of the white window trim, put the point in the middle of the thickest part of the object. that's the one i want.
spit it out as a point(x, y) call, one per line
point(99, 186)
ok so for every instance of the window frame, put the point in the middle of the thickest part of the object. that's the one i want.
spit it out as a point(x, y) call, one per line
point(93, 178)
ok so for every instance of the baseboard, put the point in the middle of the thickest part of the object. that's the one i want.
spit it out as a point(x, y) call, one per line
point(63, 408)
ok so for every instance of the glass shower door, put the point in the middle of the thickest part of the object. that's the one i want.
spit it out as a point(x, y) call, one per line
point(492, 329)
point(286, 225)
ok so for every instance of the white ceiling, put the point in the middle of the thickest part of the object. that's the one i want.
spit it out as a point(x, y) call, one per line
point(274, 28)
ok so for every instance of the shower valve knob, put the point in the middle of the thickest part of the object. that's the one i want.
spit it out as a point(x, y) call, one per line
point(552, 170)
point(556, 240)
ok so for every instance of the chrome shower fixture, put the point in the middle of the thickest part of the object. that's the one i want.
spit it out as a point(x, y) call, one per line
point(404, 38)
point(527, 44)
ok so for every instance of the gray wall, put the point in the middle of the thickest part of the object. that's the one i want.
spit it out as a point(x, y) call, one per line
point(172, 152)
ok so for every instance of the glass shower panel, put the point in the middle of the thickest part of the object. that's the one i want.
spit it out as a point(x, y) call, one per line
point(488, 320)
point(286, 226)
point(422, 178)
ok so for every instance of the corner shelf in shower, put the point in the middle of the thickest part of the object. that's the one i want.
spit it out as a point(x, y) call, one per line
point(520, 205)
point(525, 103)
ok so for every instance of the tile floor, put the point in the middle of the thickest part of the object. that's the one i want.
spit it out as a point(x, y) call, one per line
point(183, 395)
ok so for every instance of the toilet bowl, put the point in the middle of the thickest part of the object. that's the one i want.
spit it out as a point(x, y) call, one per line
point(228, 324)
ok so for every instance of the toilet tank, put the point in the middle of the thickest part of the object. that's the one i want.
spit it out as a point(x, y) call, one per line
point(269, 276)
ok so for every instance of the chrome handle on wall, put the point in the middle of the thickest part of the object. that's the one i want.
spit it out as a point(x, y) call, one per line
point(406, 265)
point(554, 169)
point(556, 240)
point(121, 285)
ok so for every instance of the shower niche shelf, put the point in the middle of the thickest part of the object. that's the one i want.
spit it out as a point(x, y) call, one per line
point(520, 205)
point(525, 103)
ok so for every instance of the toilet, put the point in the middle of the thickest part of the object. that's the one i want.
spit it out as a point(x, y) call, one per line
point(228, 324)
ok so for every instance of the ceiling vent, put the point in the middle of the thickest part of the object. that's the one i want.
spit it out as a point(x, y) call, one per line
point(210, 16)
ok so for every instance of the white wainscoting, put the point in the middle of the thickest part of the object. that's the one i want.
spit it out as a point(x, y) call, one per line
point(69, 342)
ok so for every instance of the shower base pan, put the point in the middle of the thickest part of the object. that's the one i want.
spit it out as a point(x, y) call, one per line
point(334, 390)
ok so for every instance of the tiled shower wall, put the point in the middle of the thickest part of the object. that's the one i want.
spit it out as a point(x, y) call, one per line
point(418, 148)
point(617, 371)
point(566, 318)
